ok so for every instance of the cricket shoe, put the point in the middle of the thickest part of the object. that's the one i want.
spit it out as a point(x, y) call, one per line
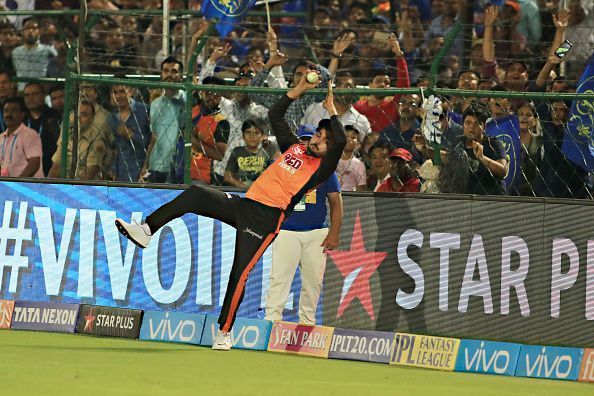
point(222, 341)
point(134, 232)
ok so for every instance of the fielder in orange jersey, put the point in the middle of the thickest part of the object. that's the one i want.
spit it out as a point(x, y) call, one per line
point(258, 216)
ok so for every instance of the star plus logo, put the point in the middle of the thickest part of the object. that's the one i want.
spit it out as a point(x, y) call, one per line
point(356, 265)
point(89, 319)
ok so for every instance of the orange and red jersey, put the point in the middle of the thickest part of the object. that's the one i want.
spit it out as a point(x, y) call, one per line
point(283, 184)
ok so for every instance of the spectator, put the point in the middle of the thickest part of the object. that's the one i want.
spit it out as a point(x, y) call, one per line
point(579, 31)
point(516, 73)
point(211, 133)
point(402, 178)
point(44, 120)
point(113, 55)
point(57, 67)
point(9, 40)
point(443, 24)
point(92, 148)
point(298, 108)
point(530, 25)
point(166, 120)
point(7, 90)
point(559, 177)
point(31, 58)
point(56, 94)
point(248, 161)
point(351, 170)
point(531, 156)
point(487, 159)
point(499, 107)
point(21, 146)
point(130, 126)
point(366, 144)
point(400, 134)
point(237, 111)
point(379, 111)
point(379, 170)
point(100, 124)
point(344, 104)
point(322, 32)
point(358, 10)
point(467, 80)
point(411, 32)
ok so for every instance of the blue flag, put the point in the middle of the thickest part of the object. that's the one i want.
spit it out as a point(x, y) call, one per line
point(227, 13)
point(578, 141)
point(507, 131)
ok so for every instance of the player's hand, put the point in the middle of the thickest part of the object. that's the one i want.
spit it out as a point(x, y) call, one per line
point(330, 242)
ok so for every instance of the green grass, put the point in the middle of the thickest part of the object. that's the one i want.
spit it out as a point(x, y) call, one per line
point(34, 363)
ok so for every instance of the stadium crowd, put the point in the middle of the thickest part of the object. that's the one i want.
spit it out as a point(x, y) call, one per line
point(136, 135)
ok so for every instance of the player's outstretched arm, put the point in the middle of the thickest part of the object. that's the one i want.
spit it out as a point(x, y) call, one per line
point(284, 137)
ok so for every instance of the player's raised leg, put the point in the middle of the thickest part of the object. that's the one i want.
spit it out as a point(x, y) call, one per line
point(200, 200)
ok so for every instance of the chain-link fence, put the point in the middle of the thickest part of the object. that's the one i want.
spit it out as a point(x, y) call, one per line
point(497, 122)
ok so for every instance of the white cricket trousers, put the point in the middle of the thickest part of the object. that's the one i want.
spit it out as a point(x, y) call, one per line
point(292, 248)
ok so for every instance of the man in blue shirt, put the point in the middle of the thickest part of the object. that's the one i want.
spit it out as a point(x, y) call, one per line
point(303, 240)
point(130, 126)
point(166, 115)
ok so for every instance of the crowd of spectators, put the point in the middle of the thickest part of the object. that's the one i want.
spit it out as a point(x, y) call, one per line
point(136, 135)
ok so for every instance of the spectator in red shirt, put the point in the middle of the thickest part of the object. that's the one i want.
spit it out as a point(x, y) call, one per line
point(380, 111)
point(401, 177)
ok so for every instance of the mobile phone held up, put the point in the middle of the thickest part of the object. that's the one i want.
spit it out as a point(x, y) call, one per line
point(381, 39)
point(563, 49)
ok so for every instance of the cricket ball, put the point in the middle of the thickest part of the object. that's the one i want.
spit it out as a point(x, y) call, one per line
point(312, 77)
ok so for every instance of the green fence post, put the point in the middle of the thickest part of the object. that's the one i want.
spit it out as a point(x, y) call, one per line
point(68, 94)
point(188, 104)
point(448, 41)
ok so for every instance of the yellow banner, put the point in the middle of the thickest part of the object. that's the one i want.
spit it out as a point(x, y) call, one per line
point(425, 351)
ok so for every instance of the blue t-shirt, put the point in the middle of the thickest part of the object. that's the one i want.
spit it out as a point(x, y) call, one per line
point(310, 213)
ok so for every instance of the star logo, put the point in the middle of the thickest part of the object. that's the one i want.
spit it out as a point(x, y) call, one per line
point(89, 319)
point(356, 265)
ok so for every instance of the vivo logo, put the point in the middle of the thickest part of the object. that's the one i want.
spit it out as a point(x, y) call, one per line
point(481, 361)
point(247, 336)
point(183, 330)
point(546, 366)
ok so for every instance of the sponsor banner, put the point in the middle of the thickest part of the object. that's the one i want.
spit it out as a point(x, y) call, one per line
point(44, 316)
point(368, 346)
point(487, 357)
point(172, 326)
point(108, 321)
point(287, 337)
point(6, 309)
point(469, 268)
point(245, 334)
point(549, 362)
point(68, 249)
point(587, 368)
point(425, 351)
point(464, 268)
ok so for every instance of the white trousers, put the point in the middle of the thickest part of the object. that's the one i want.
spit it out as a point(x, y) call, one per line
point(292, 248)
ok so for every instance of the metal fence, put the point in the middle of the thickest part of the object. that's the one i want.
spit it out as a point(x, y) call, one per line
point(129, 118)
